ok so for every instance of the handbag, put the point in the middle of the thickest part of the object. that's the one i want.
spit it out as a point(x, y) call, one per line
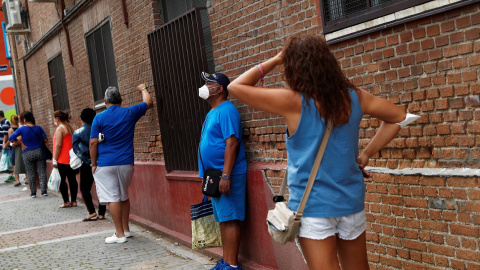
point(75, 161)
point(283, 223)
point(205, 230)
point(211, 183)
point(47, 154)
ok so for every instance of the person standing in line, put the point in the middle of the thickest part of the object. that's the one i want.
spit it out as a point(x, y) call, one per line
point(112, 156)
point(33, 137)
point(4, 127)
point(80, 145)
point(62, 141)
point(221, 148)
point(332, 230)
point(16, 154)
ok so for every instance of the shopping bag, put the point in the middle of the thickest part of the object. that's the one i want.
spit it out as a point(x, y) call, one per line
point(205, 230)
point(54, 180)
point(5, 163)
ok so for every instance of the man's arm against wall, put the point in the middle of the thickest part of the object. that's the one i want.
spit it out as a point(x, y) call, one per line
point(145, 95)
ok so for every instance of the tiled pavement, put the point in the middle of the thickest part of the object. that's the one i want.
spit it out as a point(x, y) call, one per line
point(36, 234)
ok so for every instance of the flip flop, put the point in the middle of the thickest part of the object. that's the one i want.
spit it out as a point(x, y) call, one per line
point(65, 205)
point(101, 218)
point(73, 204)
point(90, 219)
point(17, 184)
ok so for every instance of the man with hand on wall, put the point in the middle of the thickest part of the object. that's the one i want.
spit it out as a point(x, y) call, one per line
point(112, 155)
point(221, 148)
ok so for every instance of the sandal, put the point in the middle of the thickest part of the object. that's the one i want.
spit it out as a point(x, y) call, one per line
point(65, 205)
point(73, 204)
point(17, 184)
point(91, 217)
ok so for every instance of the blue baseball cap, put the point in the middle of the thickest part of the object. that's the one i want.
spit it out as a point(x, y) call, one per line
point(219, 78)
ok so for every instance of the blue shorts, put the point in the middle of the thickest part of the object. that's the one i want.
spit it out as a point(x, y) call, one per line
point(231, 206)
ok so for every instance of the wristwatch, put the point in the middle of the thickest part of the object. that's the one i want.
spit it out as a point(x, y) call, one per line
point(226, 177)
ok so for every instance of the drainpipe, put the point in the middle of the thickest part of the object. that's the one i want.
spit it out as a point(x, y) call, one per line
point(26, 81)
point(67, 34)
point(125, 12)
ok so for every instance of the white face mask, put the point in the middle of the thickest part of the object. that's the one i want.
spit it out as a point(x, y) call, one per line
point(55, 123)
point(204, 92)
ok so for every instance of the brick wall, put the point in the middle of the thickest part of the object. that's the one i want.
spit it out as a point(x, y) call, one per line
point(420, 222)
point(430, 66)
point(131, 56)
point(248, 32)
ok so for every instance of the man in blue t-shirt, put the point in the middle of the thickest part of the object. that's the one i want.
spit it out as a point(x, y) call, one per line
point(111, 153)
point(221, 148)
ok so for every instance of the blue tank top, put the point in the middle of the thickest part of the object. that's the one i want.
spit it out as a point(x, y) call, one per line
point(339, 188)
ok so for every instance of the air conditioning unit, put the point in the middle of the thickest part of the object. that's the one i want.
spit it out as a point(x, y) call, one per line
point(12, 14)
point(42, 1)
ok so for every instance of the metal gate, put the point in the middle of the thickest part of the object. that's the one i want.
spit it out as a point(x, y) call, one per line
point(177, 54)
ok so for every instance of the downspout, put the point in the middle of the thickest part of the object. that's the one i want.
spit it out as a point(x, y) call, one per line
point(67, 34)
point(125, 12)
point(26, 81)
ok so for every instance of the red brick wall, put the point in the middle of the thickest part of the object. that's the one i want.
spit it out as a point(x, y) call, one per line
point(131, 56)
point(429, 66)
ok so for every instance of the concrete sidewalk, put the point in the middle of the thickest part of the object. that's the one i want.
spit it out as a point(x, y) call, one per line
point(36, 234)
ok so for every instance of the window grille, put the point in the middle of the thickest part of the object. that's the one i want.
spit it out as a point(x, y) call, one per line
point(102, 61)
point(58, 85)
point(178, 56)
point(339, 14)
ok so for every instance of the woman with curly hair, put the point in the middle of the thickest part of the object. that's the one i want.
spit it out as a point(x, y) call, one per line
point(332, 231)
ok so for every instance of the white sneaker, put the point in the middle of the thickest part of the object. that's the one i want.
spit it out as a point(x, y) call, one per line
point(128, 234)
point(114, 239)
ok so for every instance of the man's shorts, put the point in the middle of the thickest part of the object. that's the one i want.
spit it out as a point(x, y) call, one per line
point(112, 183)
point(231, 206)
point(347, 227)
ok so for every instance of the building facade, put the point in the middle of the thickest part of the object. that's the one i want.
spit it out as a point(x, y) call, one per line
point(423, 203)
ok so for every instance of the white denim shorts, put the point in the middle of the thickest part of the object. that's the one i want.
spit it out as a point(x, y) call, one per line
point(347, 227)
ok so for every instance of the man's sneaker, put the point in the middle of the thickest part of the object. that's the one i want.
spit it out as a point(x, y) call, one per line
point(10, 178)
point(44, 194)
point(114, 239)
point(220, 265)
point(33, 195)
point(128, 234)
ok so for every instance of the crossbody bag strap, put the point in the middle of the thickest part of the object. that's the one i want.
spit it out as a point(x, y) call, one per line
point(36, 134)
point(313, 173)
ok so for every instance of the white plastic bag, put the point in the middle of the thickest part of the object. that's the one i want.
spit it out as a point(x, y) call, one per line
point(75, 161)
point(54, 180)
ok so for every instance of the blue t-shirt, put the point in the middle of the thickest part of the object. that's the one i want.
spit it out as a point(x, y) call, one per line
point(220, 124)
point(117, 124)
point(339, 188)
point(32, 137)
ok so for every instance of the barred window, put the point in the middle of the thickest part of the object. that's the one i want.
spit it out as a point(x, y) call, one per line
point(338, 15)
point(58, 86)
point(102, 61)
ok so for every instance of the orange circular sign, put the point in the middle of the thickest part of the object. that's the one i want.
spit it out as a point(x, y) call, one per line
point(7, 96)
